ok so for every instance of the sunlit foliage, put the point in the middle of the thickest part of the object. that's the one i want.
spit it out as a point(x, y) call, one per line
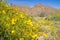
point(17, 25)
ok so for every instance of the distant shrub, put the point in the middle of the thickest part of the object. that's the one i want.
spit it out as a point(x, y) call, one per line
point(54, 17)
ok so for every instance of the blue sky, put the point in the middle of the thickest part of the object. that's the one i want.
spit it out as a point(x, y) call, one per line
point(52, 3)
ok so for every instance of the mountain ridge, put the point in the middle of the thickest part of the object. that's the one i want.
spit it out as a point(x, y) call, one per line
point(38, 9)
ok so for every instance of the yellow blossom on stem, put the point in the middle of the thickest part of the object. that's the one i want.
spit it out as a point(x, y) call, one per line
point(13, 32)
point(21, 16)
point(30, 22)
point(13, 21)
point(4, 12)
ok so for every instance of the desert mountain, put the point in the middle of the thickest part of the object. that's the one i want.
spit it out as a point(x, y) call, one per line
point(39, 10)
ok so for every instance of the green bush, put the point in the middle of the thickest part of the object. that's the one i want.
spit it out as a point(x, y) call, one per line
point(16, 25)
point(54, 17)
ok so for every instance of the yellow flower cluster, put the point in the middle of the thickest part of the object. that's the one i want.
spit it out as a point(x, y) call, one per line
point(4, 12)
point(14, 21)
point(34, 36)
point(46, 22)
point(29, 22)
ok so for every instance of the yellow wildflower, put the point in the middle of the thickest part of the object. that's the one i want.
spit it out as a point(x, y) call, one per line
point(45, 34)
point(21, 14)
point(13, 32)
point(34, 36)
point(30, 22)
point(21, 38)
point(13, 21)
point(3, 12)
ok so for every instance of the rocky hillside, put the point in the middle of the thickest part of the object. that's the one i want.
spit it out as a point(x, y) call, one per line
point(39, 10)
